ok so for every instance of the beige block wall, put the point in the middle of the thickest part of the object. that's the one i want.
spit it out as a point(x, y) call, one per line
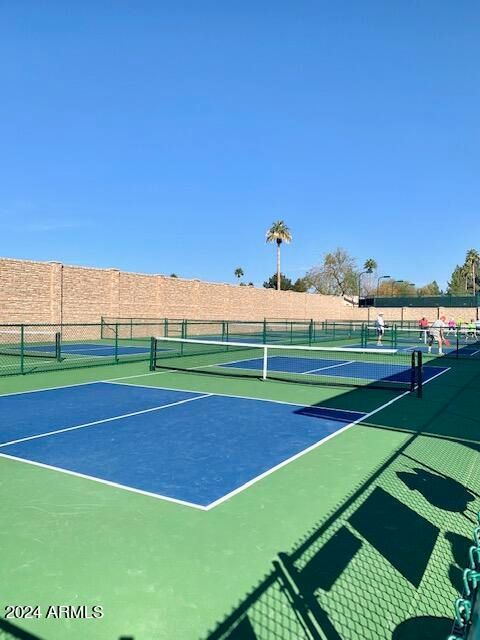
point(49, 292)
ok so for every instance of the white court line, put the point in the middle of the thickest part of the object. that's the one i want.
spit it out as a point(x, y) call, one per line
point(109, 483)
point(95, 422)
point(331, 366)
point(82, 384)
point(229, 395)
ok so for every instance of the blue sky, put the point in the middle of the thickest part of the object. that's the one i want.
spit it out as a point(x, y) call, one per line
point(167, 136)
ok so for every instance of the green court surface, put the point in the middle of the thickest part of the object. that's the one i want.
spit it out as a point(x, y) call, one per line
point(364, 537)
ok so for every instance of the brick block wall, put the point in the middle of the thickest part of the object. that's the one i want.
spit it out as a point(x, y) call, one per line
point(49, 292)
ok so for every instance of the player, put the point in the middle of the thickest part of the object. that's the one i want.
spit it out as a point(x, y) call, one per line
point(452, 325)
point(423, 326)
point(436, 334)
point(471, 331)
point(380, 328)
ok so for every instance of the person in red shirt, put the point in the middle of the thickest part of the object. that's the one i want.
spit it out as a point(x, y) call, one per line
point(423, 326)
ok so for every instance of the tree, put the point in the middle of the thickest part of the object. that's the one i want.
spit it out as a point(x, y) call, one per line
point(173, 275)
point(278, 233)
point(471, 266)
point(238, 272)
point(367, 285)
point(370, 265)
point(337, 275)
point(430, 289)
point(285, 283)
point(456, 284)
point(301, 285)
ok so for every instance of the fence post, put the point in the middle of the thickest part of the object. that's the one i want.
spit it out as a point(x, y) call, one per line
point(116, 342)
point(22, 348)
point(152, 354)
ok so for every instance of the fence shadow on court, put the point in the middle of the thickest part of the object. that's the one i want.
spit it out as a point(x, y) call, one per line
point(9, 631)
point(376, 558)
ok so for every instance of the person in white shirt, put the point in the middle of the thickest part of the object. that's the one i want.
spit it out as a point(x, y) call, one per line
point(380, 328)
point(436, 334)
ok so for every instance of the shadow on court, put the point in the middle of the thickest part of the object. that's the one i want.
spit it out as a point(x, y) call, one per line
point(395, 545)
point(9, 631)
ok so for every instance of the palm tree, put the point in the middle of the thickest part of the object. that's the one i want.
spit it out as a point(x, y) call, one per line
point(278, 233)
point(471, 263)
point(370, 265)
point(238, 272)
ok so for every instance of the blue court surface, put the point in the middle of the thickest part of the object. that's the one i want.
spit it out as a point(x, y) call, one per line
point(186, 447)
point(102, 350)
point(464, 349)
point(374, 371)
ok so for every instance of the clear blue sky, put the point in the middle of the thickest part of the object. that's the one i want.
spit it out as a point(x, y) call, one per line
point(167, 136)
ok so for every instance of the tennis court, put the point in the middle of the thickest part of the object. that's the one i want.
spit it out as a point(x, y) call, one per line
point(239, 490)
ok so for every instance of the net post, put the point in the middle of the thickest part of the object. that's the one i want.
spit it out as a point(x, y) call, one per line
point(22, 348)
point(165, 327)
point(116, 342)
point(419, 374)
point(58, 348)
point(362, 336)
point(310, 333)
point(394, 336)
point(265, 363)
point(223, 331)
point(131, 328)
point(101, 328)
point(153, 350)
point(264, 331)
point(184, 329)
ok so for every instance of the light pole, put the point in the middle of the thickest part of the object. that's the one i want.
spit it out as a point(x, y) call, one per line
point(362, 273)
point(381, 278)
point(394, 282)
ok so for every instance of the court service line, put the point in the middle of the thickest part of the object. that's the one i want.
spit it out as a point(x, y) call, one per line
point(229, 395)
point(95, 422)
point(331, 366)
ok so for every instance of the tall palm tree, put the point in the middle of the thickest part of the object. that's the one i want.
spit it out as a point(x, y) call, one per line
point(238, 272)
point(471, 263)
point(278, 233)
point(370, 265)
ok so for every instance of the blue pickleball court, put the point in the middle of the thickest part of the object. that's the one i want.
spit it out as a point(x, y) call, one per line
point(192, 448)
point(349, 369)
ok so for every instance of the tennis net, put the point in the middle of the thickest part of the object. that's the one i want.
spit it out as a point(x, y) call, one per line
point(32, 344)
point(351, 367)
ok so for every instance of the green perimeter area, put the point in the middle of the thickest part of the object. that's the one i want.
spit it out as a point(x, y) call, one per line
point(363, 537)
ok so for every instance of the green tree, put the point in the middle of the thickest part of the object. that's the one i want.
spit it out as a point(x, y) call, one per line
point(370, 265)
point(366, 285)
point(278, 233)
point(472, 260)
point(301, 285)
point(456, 284)
point(430, 289)
point(272, 283)
point(238, 272)
point(336, 275)
point(173, 275)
